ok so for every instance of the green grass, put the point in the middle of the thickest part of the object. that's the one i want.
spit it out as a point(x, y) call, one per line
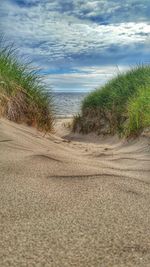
point(23, 96)
point(138, 112)
point(107, 109)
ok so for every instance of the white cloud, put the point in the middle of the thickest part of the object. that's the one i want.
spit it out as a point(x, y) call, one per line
point(41, 32)
point(54, 33)
point(84, 79)
point(116, 11)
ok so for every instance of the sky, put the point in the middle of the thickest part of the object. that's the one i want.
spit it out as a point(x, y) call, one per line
point(78, 44)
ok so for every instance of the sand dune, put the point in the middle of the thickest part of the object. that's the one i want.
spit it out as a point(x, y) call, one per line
point(71, 200)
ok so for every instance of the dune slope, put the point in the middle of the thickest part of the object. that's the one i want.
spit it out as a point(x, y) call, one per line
point(73, 203)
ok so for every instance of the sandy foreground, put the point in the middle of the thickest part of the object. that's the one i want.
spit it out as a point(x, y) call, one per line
point(71, 200)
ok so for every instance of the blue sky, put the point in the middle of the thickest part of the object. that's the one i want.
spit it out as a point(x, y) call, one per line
point(79, 44)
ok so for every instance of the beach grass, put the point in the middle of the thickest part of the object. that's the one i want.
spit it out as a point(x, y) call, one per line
point(24, 98)
point(138, 112)
point(115, 107)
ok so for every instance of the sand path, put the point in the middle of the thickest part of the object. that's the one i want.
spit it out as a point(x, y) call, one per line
point(82, 203)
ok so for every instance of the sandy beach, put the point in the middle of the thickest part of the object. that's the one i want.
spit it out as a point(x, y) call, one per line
point(72, 200)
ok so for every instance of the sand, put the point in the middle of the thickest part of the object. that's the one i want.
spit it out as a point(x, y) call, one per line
point(71, 200)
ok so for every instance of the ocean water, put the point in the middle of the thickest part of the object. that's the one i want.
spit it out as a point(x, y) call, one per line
point(68, 104)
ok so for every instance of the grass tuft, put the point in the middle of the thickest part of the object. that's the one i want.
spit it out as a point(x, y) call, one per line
point(112, 108)
point(138, 112)
point(23, 96)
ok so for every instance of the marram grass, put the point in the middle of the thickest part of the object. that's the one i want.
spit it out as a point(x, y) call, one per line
point(138, 112)
point(23, 96)
point(121, 106)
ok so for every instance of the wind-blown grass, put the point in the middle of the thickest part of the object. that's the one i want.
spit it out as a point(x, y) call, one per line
point(107, 109)
point(23, 96)
point(138, 112)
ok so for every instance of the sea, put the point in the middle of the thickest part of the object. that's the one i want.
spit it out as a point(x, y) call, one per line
point(67, 104)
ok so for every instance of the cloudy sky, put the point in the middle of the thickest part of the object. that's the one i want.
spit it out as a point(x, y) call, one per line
point(79, 44)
